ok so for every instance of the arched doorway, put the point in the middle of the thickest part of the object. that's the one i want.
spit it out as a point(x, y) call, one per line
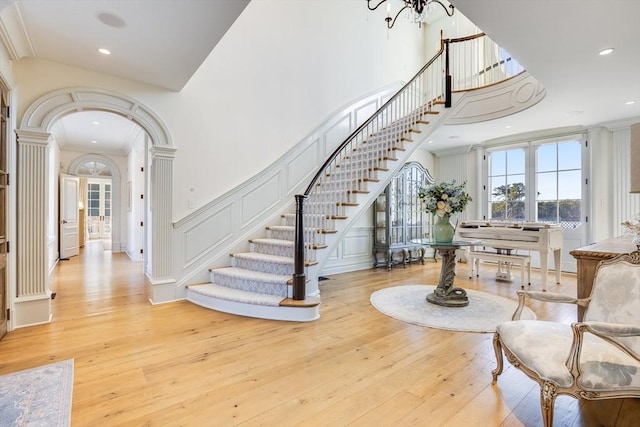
point(93, 166)
point(34, 172)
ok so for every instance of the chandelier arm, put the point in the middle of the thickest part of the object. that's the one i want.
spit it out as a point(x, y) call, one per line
point(376, 6)
point(390, 22)
point(443, 6)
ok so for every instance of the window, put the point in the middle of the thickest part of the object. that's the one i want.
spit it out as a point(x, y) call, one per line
point(553, 182)
point(559, 183)
point(507, 185)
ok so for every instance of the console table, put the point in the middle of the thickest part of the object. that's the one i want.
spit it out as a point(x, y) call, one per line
point(588, 257)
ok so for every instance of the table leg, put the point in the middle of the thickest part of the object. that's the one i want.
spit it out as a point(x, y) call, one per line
point(445, 293)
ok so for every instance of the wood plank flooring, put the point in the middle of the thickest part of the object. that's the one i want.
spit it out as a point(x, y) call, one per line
point(179, 364)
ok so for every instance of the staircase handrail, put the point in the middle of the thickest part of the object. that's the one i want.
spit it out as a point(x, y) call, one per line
point(363, 126)
point(386, 128)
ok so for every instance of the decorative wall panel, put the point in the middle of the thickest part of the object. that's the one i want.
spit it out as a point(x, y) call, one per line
point(214, 228)
point(261, 198)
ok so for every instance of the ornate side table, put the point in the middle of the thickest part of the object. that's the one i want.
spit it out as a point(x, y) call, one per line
point(445, 293)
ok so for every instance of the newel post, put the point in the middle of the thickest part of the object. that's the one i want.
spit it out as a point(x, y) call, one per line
point(447, 74)
point(299, 279)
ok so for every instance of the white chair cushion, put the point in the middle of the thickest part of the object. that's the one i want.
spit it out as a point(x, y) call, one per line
point(544, 347)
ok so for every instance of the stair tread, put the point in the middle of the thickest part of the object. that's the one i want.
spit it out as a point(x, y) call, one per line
point(307, 302)
point(276, 259)
point(229, 294)
point(251, 274)
point(278, 242)
point(280, 227)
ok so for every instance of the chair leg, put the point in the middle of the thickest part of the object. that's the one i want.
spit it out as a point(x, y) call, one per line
point(548, 395)
point(497, 347)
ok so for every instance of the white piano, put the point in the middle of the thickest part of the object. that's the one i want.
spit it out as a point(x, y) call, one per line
point(528, 236)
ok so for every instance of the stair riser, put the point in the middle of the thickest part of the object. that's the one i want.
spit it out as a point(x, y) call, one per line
point(325, 223)
point(282, 234)
point(347, 184)
point(264, 266)
point(337, 196)
point(250, 285)
point(264, 248)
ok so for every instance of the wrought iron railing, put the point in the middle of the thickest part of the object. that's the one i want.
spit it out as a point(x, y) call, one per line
point(346, 171)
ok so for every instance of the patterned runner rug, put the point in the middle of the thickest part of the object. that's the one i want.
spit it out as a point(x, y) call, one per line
point(408, 303)
point(37, 397)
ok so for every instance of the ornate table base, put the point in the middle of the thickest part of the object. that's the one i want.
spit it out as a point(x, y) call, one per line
point(445, 294)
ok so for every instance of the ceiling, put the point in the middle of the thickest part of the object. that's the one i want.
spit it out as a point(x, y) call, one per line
point(556, 41)
point(147, 45)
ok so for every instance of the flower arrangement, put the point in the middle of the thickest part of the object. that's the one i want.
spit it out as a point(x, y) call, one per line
point(444, 198)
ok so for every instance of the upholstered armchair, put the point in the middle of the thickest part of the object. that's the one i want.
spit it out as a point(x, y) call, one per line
point(598, 358)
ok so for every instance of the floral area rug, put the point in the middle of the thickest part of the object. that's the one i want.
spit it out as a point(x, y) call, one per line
point(408, 303)
point(37, 397)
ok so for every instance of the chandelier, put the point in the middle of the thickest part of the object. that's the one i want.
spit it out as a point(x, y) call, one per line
point(420, 9)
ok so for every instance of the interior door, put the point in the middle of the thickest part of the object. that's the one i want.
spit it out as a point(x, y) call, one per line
point(99, 209)
point(3, 211)
point(69, 216)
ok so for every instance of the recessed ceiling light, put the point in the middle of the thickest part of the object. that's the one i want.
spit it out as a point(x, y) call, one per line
point(606, 51)
point(630, 102)
point(104, 51)
point(508, 127)
point(111, 20)
point(96, 123)
point(94, 141)
point(430, 141)
point(454, 137)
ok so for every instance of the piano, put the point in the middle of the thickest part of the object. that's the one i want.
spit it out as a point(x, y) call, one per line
point(528, 236)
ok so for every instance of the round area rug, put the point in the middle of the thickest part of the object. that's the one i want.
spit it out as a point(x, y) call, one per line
point(408, 303)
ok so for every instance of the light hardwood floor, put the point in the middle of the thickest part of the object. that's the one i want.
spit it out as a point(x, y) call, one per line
point(179, 364)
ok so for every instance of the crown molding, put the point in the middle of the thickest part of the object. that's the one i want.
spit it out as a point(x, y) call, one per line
point(13, 33)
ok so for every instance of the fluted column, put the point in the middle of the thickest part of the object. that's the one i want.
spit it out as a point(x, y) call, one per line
point(32, 277)
point(161, 257)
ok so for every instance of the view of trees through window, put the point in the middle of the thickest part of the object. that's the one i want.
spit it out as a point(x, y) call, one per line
point(507, 184)
point(558, 184)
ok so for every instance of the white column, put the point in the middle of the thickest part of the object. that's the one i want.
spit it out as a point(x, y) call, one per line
point(162, 282)
point(32, 303)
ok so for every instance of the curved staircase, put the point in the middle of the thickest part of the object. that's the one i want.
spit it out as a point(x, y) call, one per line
point(260, 283)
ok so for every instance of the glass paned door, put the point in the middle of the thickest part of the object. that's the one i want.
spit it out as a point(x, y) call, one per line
point(99, 209)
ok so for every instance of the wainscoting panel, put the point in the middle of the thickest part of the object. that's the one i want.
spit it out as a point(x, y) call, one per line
point(335, 134)
point(354, 252)
point(302, 166)
point(198, 238)
point(625, 204)
point(363, 112)
point(263, 197)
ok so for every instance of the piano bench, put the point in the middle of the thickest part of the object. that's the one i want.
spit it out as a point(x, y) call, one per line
point(474, 257)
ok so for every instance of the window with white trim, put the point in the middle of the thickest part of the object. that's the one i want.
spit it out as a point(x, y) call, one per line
point(507, 184)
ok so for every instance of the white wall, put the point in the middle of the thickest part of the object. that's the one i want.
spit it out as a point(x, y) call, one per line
point(273, 78)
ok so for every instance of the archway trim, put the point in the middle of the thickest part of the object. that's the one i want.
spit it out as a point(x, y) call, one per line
point(41, 115)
